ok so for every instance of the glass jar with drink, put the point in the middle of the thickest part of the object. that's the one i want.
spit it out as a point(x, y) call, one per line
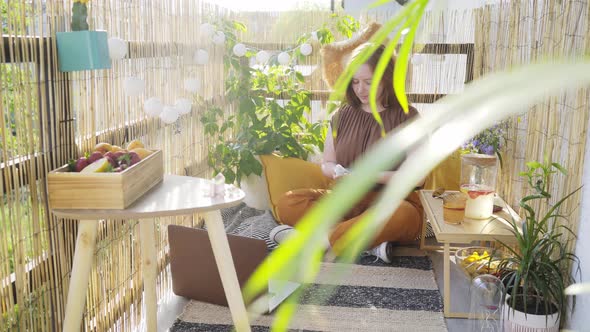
point(478, 183)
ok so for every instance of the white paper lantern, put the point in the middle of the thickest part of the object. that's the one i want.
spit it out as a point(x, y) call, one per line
point(133, 86)
point(153, 106)
point(201, 57)
point(207, 30)
point(262, 57)
point(117, 48)
point(284, 58)
point(305, 49)
point(183, 105)
point(218, 38)
point(169, 114)
point(192, 85)
point(239, 49)
point(314, 35)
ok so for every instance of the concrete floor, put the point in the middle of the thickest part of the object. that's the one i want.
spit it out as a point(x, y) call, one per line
point(171, 306)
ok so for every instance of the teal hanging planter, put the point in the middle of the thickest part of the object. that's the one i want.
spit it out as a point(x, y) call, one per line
point(82, 50)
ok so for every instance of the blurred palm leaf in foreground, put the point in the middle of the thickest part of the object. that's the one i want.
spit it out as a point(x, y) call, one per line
point(431, 138)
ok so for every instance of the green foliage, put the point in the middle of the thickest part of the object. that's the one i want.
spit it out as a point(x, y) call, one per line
point(272, 106)
point(10, 319)
point(12, 17)
point(540, 262)
point(79, 16)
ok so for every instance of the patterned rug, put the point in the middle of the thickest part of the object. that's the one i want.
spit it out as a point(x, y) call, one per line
point(372, 296)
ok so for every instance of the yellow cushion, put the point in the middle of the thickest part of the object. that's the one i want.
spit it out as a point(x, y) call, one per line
point(284, 174)
point(447, 174)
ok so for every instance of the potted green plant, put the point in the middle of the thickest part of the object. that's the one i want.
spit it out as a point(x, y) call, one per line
point(272, 107)
point(81, 48)
point(537, 272)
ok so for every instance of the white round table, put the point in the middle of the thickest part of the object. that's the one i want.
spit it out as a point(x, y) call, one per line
point(175, 195)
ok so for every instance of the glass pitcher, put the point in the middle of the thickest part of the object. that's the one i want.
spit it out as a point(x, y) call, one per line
point(478, 182)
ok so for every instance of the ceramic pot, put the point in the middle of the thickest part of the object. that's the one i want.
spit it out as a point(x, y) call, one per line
point(82, 50)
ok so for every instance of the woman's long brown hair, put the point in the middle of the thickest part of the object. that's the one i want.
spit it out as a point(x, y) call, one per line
point(388, 98)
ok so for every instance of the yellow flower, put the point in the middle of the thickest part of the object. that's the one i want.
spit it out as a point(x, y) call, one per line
point(82, 1)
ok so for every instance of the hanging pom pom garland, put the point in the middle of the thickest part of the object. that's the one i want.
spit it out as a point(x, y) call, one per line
point(117, 48)
point(192, 85)
point(169, 114)
point(207, 30)
point(284, 58)
point(133, 86)
point(183, 105)
point(201, 57)
point(218, 38)
point(314, 35)
point(153, 106)
point(262, 57)
point(305, 49)
point(239, 49)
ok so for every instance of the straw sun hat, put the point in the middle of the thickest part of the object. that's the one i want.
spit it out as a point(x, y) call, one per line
point(335, 56)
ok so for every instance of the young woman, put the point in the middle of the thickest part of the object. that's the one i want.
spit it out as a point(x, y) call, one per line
point(357, 130)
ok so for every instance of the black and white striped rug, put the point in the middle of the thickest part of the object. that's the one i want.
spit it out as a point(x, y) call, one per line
point(371, 296)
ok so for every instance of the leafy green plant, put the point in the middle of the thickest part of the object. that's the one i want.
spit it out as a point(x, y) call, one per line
point(271, 107)
point(537, 271)
point(431, 139)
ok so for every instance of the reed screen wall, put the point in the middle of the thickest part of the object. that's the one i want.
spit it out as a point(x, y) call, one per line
point(49, 117)
point(520, 32)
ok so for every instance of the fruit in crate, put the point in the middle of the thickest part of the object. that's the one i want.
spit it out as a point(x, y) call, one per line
point(102, 165)
point(142, 152)
point(116, 148)
point(94, 156)
point(119, 158)
point(134, 144)
point(103, 147)
point(81, 163)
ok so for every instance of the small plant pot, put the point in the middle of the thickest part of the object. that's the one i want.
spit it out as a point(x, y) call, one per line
point(82, 50)
point(516, 320)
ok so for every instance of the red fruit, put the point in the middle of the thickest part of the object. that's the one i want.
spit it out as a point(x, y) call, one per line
point(134, 157)
point(81, 163)
point(117, 155)
point(112, 161)
point(94, 157)
point(110, 155)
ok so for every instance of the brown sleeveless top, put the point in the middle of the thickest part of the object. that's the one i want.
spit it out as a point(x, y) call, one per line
point(356, 130)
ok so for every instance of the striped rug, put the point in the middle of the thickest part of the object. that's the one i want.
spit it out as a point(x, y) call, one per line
point(371, 296)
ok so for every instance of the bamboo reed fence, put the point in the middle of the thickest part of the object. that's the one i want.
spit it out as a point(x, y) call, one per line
point(520, 32)
point(49, 117)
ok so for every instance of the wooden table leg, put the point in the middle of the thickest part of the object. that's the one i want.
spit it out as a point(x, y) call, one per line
point(423, 236)
point(81, 266)
point(447, 279)
point(227, 270)
point(149, 264)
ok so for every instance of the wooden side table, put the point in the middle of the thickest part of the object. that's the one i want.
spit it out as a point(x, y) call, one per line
point(175, 195)
point(492, 229)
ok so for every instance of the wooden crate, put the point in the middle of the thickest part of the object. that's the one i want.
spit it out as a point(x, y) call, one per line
point(72, 190)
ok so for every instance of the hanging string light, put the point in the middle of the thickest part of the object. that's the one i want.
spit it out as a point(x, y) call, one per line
point(169, 114)
point(153, 106)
